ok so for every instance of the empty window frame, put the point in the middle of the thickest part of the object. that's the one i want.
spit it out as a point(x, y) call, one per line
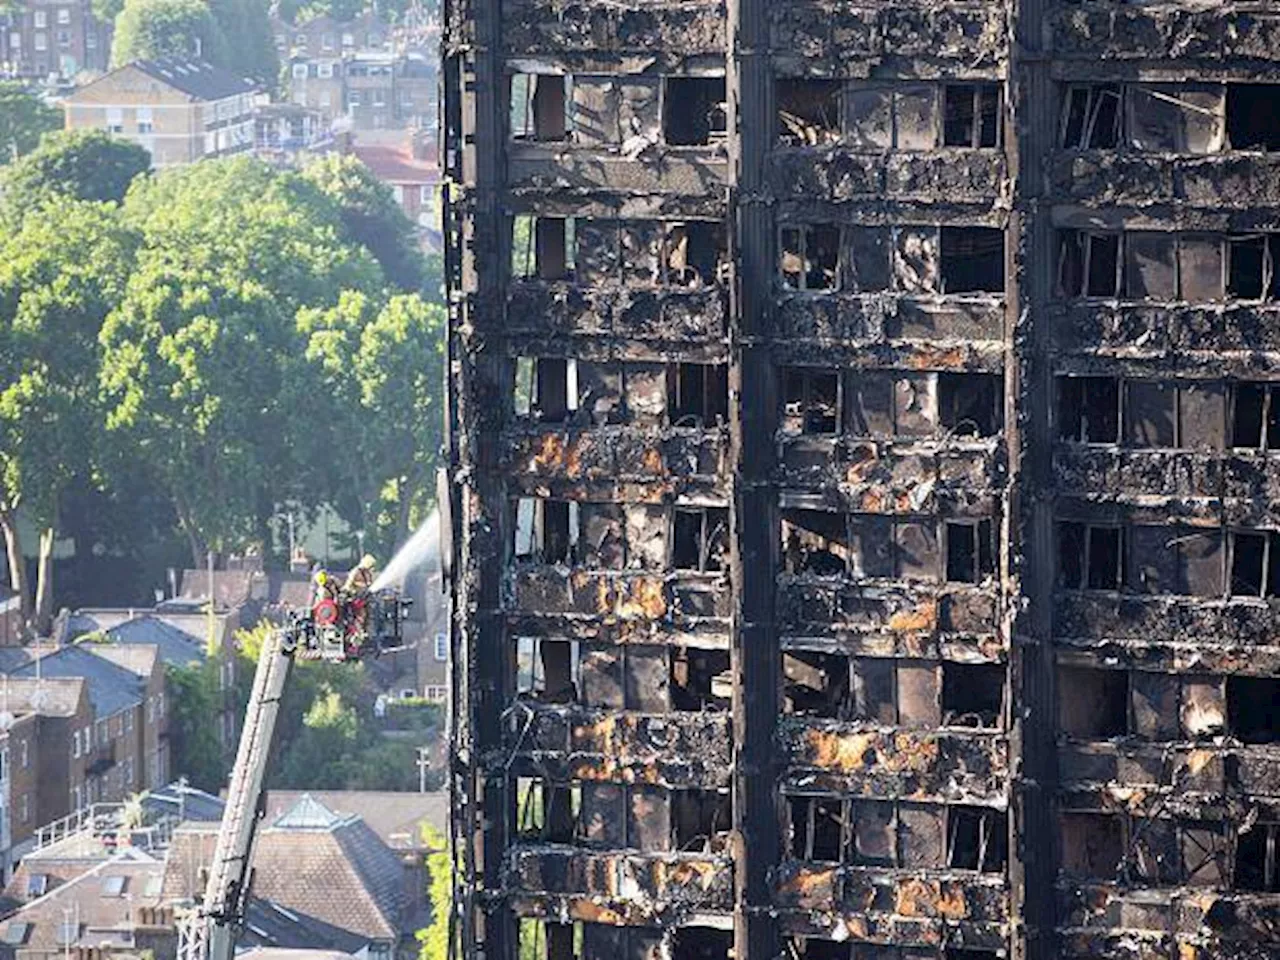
point(1255, 563)
point(808, 111)
point(1091, 117)
point(547, 811)
point(546, 531)
point(971, 259)
point(817, 684)
point(693, 110)
point(970, 404)
point(811, 401)
point(1255, 416)
point(650, 678)
point(1253, 122)
point(810, 257)
point(1093, 703)
point(546, 388)
point(1257, 861)
point(697, 394)
point(971, 550)
point(1251, 267)
point(1142, 265)
point(1253, 709)
point(819, 828)
point(539, 106)
point(815, 542)
point(1088, 409)
point(1089, 264)
point(695, 253)
point(973, 694)
point(547, 669)
point(1092, 844)
point(976, 839)
point(547, 940)
point(1090, 556)
point(700, 539)
point(817, 948)
point(695, 943)
point(971, 115)
point(541, 247)
point(700, 820)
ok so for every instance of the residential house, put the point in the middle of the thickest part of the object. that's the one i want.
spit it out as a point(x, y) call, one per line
point(387, 91)
point(321, 880)
point(181, 111)
point(112, 910)
point(110, 747)
point(53, 38)
point(39, 769)
point(151, 735)
point(410, 169)
point(285, 132)
point(10, 617)
point(316, 53)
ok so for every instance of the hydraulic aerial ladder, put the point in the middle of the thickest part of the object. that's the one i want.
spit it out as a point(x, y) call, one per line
point(342, 625)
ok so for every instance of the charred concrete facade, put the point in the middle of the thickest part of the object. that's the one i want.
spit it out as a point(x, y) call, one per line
point(862, 479)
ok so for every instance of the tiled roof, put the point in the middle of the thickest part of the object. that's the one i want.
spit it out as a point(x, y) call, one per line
point(396, 165)
point(395, 817)
point(185, 802)
point(107, 897)
point(343, 876)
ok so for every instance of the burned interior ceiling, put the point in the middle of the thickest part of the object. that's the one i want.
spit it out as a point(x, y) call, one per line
point(863, 479)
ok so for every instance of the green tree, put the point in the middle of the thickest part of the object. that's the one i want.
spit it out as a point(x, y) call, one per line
point(84, 164)
point(371, 217)
point(433, 940)
point(156, 29)
point(61, 274)
point(249, 45)
point(24, 119)
point(106, 10)
point(196, 354)
point(380, 373)
point(195, 696)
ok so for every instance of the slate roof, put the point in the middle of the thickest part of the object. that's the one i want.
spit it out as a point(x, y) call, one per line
point(341, 875)
point(112, 688)
point(140, 659)
point(188, 803)
point(175, 647)
point(196, 78)
point(395, 817)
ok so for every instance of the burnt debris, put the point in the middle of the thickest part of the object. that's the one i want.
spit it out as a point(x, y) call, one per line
point(866, 536)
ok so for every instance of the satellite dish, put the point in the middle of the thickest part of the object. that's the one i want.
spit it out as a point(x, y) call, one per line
point(6, 720)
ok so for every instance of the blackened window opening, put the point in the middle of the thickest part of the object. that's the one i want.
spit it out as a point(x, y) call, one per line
point(970, 404)
point(808, 112)
point(976, 839)
point(970, 551)
point(1091, 117)
point(1258, 858)
point(972, 694)
point(810, 257)
point(1253, 119)
point(700, 539)
point(972, 259)
point(1089, 409)
point(971, 115)
point(1253, 708)
point(1090, 557)
point(697, 394)
point(1255, 416)
point(817, 828)
point(812, 400)
point(693, 110)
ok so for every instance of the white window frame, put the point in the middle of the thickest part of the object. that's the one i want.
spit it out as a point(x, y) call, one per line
point(442, 647)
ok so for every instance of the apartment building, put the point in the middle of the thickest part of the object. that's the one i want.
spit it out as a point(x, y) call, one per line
point(862, 453)
point(10, 617)
point(41, 39)
point(180, 111)
point(37, 770)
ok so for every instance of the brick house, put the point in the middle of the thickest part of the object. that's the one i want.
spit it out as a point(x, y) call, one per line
point(180, 111)
point(43, 38)
point(39, 771)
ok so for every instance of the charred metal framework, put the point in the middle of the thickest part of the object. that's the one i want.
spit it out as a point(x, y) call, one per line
point(863, 436)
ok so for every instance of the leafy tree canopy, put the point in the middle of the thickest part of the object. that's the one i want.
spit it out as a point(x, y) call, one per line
point(24, 119)
point(249, 45)
point(154, 29)
point(371, 217)
point(84, 164)
point(196, 354)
